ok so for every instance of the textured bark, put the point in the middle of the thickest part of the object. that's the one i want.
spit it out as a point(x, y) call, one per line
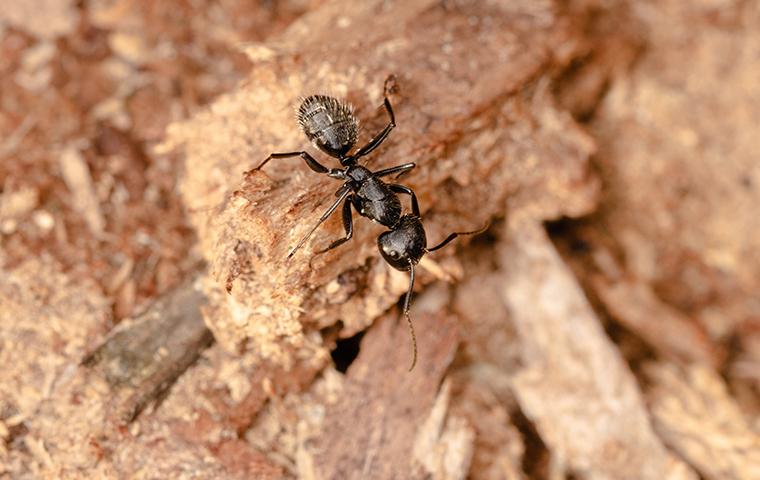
point(695, 416)
point(675, 238)
point(379, 426)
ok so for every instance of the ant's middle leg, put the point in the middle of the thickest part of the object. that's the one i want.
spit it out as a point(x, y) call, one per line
point(388, 88)
point(397, 188)
point(348, 226)
point(313, 164)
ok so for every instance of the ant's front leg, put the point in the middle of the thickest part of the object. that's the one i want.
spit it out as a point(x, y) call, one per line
point(313, 164)
point(345, 191)
point(388, 88)
point(348, 226)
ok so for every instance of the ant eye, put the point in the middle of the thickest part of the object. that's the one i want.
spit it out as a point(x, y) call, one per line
point(393, 254)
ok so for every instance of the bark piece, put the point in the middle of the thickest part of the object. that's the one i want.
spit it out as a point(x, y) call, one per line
point(143, 357)
point(498, 450)
point(369, 431)
point(470, 112)
point(666, 329)
point(482, 375)
point(230, 390)
point(573, 384)
point(695, 415)
point(444, 442)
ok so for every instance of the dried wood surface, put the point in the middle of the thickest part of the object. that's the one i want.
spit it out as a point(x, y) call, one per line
point(38, 345)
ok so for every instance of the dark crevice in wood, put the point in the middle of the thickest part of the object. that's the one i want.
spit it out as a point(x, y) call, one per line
point(345, 352)
point(536, 460)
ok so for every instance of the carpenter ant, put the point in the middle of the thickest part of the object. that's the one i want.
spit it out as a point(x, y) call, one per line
point(332, 127)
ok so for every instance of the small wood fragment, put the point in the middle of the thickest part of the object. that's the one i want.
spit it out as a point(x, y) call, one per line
point(573, 384)
point(142, 357)
point(695, 415)
point(78, 179)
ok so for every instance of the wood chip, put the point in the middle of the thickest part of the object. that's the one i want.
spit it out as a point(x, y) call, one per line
point(696, 416)
point(77, 176)
point(574, 385)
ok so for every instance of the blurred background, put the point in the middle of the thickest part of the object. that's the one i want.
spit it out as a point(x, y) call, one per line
point(88, 89)
point(623, 260)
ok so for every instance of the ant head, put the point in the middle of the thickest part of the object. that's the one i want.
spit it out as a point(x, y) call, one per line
point(329, 123)
point(403, 246)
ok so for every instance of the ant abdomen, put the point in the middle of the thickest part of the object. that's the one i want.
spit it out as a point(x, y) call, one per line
point(329, 123)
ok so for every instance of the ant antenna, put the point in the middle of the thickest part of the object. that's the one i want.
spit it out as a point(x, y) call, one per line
point(408, 318)
point(456, 234)
point(304, 238)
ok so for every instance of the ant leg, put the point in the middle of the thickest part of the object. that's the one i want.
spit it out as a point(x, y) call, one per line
point(348, 226)
point(401, 169)
point(321, 220)
point(389, 86)
point(408, 318)
point(313, 164)
point(456, 234)
point(395, 187)
point(343, 189)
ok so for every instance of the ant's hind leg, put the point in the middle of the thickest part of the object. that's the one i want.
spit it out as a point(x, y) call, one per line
point(388, 88)
point(395, 187)
point(312, 164)
point(456, 234)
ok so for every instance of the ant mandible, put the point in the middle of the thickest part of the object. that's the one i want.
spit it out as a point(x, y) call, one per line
point(332, 127)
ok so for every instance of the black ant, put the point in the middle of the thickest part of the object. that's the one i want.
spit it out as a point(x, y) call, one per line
point(332, 127)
